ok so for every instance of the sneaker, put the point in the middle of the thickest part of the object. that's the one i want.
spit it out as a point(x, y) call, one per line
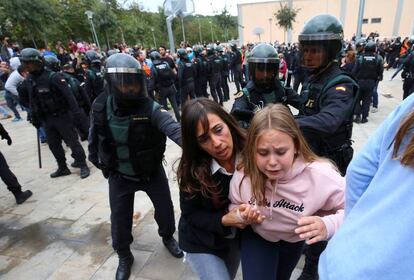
point(357, 119)
point(22, 196)
point(374, 110)
point(60, 172)
point(364, 120)
point(172, 245)
point(16, 119)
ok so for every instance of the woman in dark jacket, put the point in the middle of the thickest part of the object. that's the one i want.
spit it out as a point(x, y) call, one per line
point(211, 141)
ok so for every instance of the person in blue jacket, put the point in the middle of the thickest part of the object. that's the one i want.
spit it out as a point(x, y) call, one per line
point(376, 239)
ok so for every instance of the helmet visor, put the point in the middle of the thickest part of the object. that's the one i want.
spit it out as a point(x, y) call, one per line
point(263, 74)
point(126, 85)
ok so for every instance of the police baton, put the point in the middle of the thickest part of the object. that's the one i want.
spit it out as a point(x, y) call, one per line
point(39, 154)
point(398, 71)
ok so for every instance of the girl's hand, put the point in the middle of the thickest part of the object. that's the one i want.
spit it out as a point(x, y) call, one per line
point(250, 214)
point(242, 216)
point(312, 229)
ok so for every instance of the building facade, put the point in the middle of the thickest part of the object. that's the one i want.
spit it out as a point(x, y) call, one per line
point(388, 18)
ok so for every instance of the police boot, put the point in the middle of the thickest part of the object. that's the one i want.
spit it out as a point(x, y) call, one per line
point(126, 259)
point(172, 246)
point(310, 271)
point(22, 196)
point(84, 172)
point(61, 171)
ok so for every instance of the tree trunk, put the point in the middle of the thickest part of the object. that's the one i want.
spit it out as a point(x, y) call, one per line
point(108, 47)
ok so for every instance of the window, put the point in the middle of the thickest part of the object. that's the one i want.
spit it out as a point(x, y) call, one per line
point(365, 20)
point(376, 20)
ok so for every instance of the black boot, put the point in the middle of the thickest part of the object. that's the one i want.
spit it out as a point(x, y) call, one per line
point(310, 271)
point(126, 259)
point(84, 172)
point(22, 196)
point(76, 164)
point(172, 246)
point(61, 171)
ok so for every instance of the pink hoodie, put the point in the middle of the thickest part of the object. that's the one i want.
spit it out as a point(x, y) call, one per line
point(308, 189)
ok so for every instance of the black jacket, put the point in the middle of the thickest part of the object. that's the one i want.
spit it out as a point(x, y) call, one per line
point(200, 229)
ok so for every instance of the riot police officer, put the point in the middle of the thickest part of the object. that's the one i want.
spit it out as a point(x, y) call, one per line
point(224, 73)
point(82, 98)
point(53, 105)
point(186, 74)
point(368, 70)
point(408, 70)
point(264, 86)
point(214, 74)
point(94, 80)
point(326, 109)
point(201, 66)
point(127, 141)
point(164, 78)
point(236, 66)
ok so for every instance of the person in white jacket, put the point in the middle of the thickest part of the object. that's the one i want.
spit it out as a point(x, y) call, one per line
point(13, 81)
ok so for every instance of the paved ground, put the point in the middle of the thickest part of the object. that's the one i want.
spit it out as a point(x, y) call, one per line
point(63, 231)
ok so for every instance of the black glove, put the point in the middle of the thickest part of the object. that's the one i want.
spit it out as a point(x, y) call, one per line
point(5, 135)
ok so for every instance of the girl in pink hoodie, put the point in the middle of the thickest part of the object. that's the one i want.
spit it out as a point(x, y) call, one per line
point(300, 195)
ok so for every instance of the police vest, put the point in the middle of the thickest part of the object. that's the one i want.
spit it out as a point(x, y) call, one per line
point(129, 144)
point(164, 74)
point(225, 69)
point(263, 98)
point(97, 81)
point(187, 73)
point(48, 101)
point(216, 64)
point(74, 86)
point(203, 67)
point(368, 67)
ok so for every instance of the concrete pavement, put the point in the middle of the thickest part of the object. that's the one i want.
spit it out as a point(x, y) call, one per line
point(63, 231)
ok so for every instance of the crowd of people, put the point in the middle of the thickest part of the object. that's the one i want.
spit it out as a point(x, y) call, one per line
point(258, 186)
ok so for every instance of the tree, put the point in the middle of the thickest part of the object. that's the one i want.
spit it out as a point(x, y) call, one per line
point(225, 21)
point(285, 17)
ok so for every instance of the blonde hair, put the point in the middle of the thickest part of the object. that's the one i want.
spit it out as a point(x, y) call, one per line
point(278, 117)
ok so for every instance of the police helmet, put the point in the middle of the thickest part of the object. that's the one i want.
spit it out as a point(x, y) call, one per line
point(210, 49)
point(370, 47)
point(125, 77)
point(263, 63)
point(52, 63)
point(320, 31)
point(182, 53)
point(32, 60)
point(197, 49)
point(233, 47)
point(92, 57)
point(154, 55)
point(360, 44)
point(219, 49)
point(112, 52)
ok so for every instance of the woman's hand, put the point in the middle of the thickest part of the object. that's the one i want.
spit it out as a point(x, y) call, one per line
point(312, 229)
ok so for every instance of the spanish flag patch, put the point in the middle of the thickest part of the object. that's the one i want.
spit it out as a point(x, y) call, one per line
point(341, 88)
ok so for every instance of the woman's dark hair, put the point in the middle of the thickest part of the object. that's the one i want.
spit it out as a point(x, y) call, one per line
point(194, 174)
point(406, 157)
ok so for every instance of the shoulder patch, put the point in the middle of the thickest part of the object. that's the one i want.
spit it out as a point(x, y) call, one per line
point(341, 88)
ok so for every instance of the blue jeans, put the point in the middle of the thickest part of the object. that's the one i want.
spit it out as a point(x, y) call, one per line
point(375, 96)
point(12, 102)
point(212, 267)
point(265, 260)
point(3, 111)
